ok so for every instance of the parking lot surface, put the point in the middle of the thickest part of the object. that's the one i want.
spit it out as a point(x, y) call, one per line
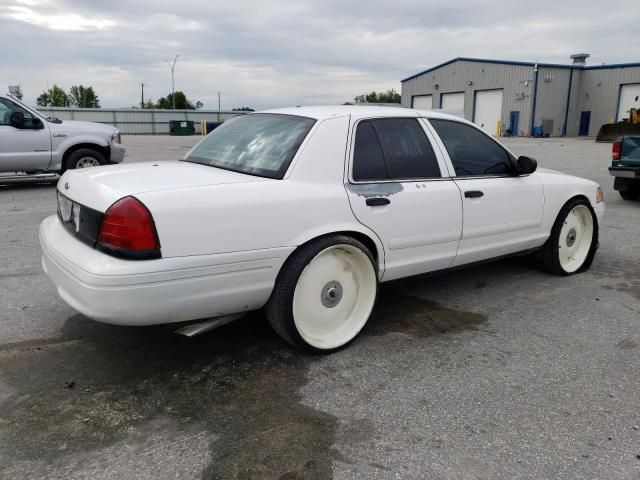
point(494, 372)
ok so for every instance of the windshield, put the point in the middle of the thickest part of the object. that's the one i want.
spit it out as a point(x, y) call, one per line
point(258, 144)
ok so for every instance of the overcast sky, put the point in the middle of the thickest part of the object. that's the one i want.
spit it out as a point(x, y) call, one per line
point(276, 53)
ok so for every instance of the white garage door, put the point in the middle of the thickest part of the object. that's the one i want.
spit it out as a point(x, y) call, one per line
point(488, 110)
point(453, 103)
point(423, 102)
point(629, 97)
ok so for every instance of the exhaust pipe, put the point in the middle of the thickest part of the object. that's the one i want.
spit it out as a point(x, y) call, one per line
point(201, 327)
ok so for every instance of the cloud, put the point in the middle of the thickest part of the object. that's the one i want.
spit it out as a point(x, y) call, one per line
point(278, 53)
point(55, 22)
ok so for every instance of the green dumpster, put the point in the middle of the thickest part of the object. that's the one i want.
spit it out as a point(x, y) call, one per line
point(181, 127)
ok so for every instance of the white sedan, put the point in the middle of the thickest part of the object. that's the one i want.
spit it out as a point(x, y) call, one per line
point(303, 211)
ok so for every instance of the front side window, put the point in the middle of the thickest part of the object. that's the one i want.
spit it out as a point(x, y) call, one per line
point(258, 144)
point(471, 151)
point(392, 149)
point(7, 107)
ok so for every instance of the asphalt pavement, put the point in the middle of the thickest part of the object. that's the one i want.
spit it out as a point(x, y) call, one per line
point(494, 372)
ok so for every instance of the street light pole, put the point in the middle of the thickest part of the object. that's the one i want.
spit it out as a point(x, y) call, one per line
point(173, 85)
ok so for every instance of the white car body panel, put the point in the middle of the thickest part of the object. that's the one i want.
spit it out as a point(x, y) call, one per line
point(224, 236)
point(506, 219)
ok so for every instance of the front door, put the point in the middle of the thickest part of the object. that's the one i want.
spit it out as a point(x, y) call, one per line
point(399, 187)
point(585, 120)
point(514, 120)
point(21, 149)
point(502, 211)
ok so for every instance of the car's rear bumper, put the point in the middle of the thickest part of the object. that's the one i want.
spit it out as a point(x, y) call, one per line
point(149, 292)
point(625, 172)
point(117, 153)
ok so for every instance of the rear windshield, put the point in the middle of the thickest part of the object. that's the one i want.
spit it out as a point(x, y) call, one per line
point(258, 144)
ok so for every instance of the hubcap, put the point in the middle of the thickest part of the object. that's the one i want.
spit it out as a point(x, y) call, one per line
point(331, 294)
point(334, 296)
point(575, 238)
point(85, 162)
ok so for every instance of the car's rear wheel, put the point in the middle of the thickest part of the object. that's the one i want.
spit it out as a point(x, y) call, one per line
point(574, 239)
point(324, 294)
point(84, 158)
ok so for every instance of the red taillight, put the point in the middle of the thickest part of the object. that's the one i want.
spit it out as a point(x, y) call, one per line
point(127, 227)
point(616, 150)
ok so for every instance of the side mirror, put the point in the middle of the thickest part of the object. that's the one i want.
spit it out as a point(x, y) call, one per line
point(526, 165)
point(16, 119)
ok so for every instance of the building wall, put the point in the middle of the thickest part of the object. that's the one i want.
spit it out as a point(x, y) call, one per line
point(592, 89)
point(516, 80)
point(551, 101)
point(599, 92)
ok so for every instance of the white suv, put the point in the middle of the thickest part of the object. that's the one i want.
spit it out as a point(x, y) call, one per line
point(32, 143)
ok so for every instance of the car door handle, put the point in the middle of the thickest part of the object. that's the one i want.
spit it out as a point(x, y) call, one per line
point(377, 201)
point(473, 194)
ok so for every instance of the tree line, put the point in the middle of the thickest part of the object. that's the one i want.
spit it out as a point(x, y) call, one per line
point(390, 96)
point(78, 96)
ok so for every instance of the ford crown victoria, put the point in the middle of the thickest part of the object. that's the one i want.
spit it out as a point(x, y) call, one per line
point(303, 212)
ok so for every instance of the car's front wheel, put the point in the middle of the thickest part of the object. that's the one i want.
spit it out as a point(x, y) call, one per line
point(324, 294)
point(574, 239)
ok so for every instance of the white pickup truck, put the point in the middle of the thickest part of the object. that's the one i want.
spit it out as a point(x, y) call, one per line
point(31, 143)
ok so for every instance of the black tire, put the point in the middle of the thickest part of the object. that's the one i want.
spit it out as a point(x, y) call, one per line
point(279, 308)
point(631, 194)
point(71, 162)
point(549, 255)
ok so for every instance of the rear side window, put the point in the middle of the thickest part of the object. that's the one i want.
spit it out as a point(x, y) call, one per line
point(368, 160)
point(472, 152)
point(393, 149)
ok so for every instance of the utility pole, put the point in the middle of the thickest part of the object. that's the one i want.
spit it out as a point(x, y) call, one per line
point(218, 107)
point(142, 98)
point(173, 85)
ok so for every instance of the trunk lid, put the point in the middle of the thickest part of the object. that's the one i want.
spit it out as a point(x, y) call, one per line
point(100, 187)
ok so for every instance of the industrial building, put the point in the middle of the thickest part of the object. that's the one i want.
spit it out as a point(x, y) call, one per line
point(524, 98)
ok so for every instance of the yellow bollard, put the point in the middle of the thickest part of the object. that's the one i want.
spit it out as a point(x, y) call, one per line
point(498, 129)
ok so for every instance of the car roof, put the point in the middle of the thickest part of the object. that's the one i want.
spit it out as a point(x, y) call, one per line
point(323, 112)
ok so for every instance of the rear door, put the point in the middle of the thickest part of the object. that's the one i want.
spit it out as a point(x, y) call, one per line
point(502, 212)
point(27, 148)
point(399, 186)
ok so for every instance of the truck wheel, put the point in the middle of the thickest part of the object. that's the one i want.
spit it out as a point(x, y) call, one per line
point(84, 158)
point(573, 241)
point(324, 294)
point(631, 194)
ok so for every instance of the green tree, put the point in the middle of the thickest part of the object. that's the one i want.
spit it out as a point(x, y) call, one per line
point(390, 96)
point(243, 109)
point(54, 97)
point(182, 102)
point(83, 97)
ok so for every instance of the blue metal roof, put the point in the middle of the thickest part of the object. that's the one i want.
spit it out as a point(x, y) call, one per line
point(522, 64)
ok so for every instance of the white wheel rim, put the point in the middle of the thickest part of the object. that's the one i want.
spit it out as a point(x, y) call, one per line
point(576, 236)
point(334, 296)
point(86, 162)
